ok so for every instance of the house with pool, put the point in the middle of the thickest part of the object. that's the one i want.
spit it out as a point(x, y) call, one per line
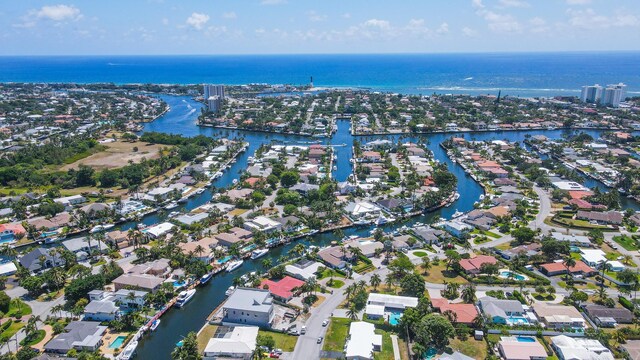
point(508, 312)
point(521, 348)
point(388, 307)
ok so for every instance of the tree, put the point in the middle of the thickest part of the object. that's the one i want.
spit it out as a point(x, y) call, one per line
point(452, 258)
point(188, 350)
point(426, 264)
point(627, 276)
point(289, 178)
point(412, 284)
point(375, 281)
point(523, 235)
point(568, 263)
point(469, 293)
point(352, 312)
point(434, 330)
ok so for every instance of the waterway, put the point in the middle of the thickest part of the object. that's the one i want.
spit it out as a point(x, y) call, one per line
point(181, 119)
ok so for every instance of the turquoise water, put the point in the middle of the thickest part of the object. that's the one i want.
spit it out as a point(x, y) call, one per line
point(527, 339)
point(518, 320)
point(515, 276)
point(430, 354)
point(394, 317)
point(224, 260)
point(178, 284)
point(117, 342)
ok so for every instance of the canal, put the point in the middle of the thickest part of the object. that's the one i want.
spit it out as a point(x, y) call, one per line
point(181, 119)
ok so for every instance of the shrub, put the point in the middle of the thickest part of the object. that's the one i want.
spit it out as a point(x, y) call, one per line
point(5, 301)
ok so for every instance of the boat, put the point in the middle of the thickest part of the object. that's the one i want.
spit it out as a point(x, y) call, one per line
point(335, 168)
point(184, 297)
point(200, 191)
point(482, 197)
point(129, 351)
point(180, 343)
point(235, 181)
point(258, 253)
point(205, 278)
point(171, 205)
point(173, 214)
point(154, 324)
point(230, 290)
point(234, 265)
point(456, 196)
point(100, 228)
point(457, 214)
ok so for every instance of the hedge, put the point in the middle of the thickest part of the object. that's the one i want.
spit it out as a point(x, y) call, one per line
point(626, 303)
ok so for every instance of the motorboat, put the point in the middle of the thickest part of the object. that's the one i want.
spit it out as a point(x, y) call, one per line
point(230, 290)
point(258, 253)
point(154, 325)
point(129, 351)
point(235, 181)
point(456, 196)
point(205, 278)
point(200, 191)
point(173, 214)
point(100, 228)
point(457, 214)
point(234, 265)
point(184, 297)
point(171, 205)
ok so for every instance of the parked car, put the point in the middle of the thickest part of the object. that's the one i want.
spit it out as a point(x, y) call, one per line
point(320, 340)
point(325, 322)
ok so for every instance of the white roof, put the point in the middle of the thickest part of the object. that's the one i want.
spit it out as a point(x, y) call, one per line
point(160, 229)
point(362, 339)
point(393, 301)
point(377, 310)
point(580, 349)
point(615, 264)
point(593, 255)
point(362, 207)
point(8, 268)
point(306, 273)
point(242, 340)
point(569, 186)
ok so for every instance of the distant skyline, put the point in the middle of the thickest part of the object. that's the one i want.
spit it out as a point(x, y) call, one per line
point(212, 27)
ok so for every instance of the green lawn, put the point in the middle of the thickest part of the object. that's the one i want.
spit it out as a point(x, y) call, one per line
point(626, 242)
point(387, 347)
point(476, 349)
point(420, 253)
point(16, 306)
point(336, 284)
point(328, 272)
point(205, 335)
point(283, 341)
point(336, 334)
point(487, 233)
point(36, 338)
point(12, 330)
point(362, 267)
point(438, 274)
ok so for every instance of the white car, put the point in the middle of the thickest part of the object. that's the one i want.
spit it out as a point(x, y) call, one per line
point(325, 322)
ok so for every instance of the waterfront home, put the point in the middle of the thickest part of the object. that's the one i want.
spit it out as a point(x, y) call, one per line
point(456, 228)
point(101, 310)
point(557, 316)
point(118, 238)
point(362, 210)
point(11, 232)
point(558, 268)
point(234, 236)
point(69, 201)
point(362, 341)
point(78, 335)
point(53, 223)
point(159, 230)
point(304, 188)
point(138, 282)
point(159, 267)
point(335, 257)
point(107, 306)
point(207, 244)
point(159, 194)
point(191, 219)
point(500, 311)
point(367, 247)
point(429, 235)
point(262, 224)
point(248, 306)
point(304, 269)
point(465, 313)
point(569, 348)
point(238, 342)
point(608, 317)
point(609, 217)
point(290, 224)
point(94, 210)
point(84, 245)
point(40, 259)
point(282, 289)
point(394, 205)
point(474, 265)
point(405, 242)
point(512, 348)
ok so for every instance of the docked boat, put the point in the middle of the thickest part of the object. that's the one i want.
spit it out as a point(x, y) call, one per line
point(154, 325)
point(235, 181)
point(171, 205)
point(205, 278)
point(258, 253)
point(184, 297)
point(129, 351)
point(457, 214)
point(234, 265)
point(456, 196)
point(200, 191)
point(100, 228)
point(230, 290)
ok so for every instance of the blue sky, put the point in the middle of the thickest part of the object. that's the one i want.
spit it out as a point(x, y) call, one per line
point(144, 27)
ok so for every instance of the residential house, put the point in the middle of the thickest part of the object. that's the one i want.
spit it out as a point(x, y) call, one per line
point(395, 205)
point(608, 217)
point(138, 282)
point(304, 269)
point(569, 348)
point(608, 317)
point(248, 306)
point(474, 265)
point(78, 335)
point(363, 341)
point(11, 232)
point(558, 268)
point(500, 311)
point(465, 313)
point(511, 348)
point(238, 343)
point(334, 256)
point(282, 289)
point(457, 228)
point(40, 259)
point(207, 244)
point(262, 224)
point(556, 316)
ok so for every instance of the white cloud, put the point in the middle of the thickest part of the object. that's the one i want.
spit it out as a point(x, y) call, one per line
point(443, 28)
point(514, 3)
point(198, 20)
point(477, 4)
point(500, 23)
point(346, 16)
point(538, 25)
point(230, 15)
point(58, 12)
point(165, 21)
point(469, 32)
point(578, 2)
point(376, 23)
point(588, 18)
point(315, 17)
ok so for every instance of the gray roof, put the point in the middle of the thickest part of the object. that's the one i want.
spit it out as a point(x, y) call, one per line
point(77, 333)
point(455, 356)
point(80, 244)
point(189, 219)
point(249, 299)
point(497, 307)
point(31, 260)
point(101, 306)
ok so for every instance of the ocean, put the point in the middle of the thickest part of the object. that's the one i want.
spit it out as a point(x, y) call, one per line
point(517, 74)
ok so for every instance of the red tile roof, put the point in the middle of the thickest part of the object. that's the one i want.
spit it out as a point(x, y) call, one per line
point(465, 313)
point(558, 266)
point(282, 288)
point(476, 262)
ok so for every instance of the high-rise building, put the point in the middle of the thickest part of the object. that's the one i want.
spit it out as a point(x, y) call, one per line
point(213, 90)
point(613, 94)
point(591, 94)
point(214, 103)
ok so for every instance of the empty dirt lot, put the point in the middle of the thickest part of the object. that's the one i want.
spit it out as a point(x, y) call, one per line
point(118, 155)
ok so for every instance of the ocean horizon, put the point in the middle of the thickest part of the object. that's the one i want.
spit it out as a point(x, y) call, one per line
point(526, 74)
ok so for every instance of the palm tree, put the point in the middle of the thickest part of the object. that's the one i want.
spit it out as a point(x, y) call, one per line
point(257, 354)
point(390, 280)
point(468, 293)
point(349, 291)
point(568, 263)
point(375, 281)
point(352, 313)
point(199, 250)
point(298, 249)
point(57, 309)
point(426, 264)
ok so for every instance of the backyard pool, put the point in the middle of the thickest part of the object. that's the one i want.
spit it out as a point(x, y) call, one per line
point(517, 320)
point(117, 342)
point(394, 317)
point(528, 339)
point(506, 274)
point(179, 284)
point(224, 260)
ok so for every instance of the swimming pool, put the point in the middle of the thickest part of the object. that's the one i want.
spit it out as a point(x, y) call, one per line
point(517, 320)
point(394, 317)
point(508, 274)
point(179, 284)
point(525, 339)
point(224, 259)
point(117, 342)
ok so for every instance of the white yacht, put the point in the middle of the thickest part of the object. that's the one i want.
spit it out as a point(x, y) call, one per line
point(230, 290)
point(171, 205)
point(129, 351)
point(184, 297)
point(154, 325)
point(258, 253)
point(200, 191)
point(99, 228)
point(234, 265)
point(457, 214)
